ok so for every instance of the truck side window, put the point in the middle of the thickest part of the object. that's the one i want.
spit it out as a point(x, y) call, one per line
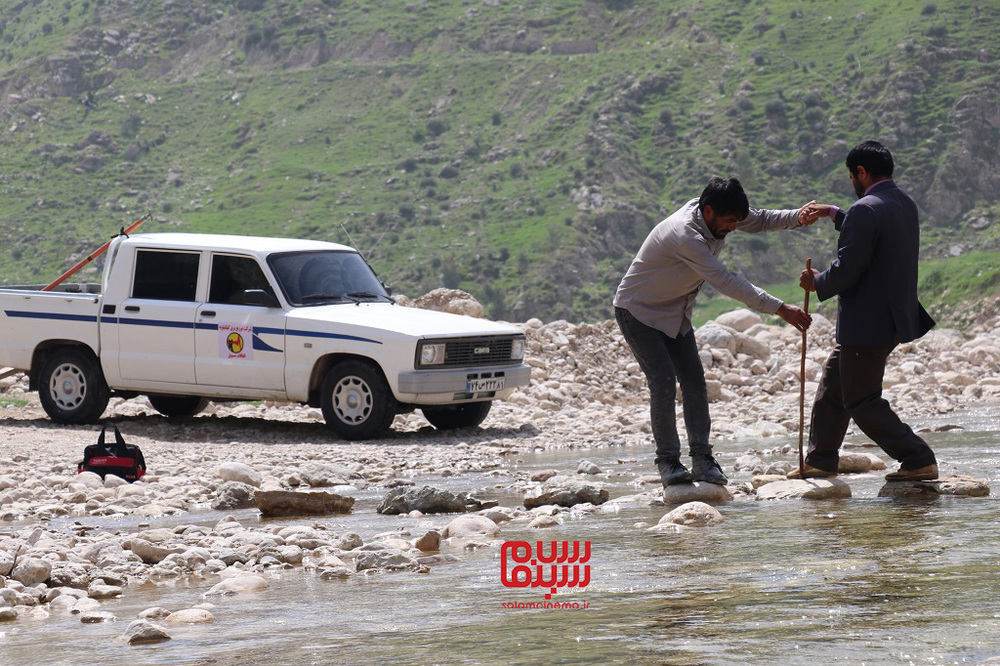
point(231, 276)
point(166, 276)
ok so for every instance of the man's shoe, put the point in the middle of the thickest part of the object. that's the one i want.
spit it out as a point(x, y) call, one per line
point(672, 472)
point(705, 468)
point(810, 473)
point(926, 473)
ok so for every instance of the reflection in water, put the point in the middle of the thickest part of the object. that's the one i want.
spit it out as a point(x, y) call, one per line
point(861, 580)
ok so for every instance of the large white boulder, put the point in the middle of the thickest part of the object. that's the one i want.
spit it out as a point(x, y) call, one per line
point(739, 320)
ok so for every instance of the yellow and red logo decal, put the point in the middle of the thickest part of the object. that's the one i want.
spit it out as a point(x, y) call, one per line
point(234, 342)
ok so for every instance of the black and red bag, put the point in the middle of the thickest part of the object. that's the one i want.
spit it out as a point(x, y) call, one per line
point(121, 459)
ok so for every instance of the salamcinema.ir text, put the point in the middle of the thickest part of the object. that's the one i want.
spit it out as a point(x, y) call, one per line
point(545, 604)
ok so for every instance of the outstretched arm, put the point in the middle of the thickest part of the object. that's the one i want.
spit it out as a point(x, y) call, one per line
point(762, 219)
point(813, 211)
point(700, 259)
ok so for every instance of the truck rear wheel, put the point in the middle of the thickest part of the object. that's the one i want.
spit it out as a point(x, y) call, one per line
point(178, 405)
point(356, 401)
point(71, 387)
point(453, 417)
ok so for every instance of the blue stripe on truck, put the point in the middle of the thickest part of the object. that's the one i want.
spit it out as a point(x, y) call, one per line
point(135, 321)
point(334, 336)
point(260, 345)
point(50, 315)
point(155, 322)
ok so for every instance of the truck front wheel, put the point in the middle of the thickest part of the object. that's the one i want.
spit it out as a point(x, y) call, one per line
point(357, 402)
point(178, 405)
point(453, 417)
point(71, 387)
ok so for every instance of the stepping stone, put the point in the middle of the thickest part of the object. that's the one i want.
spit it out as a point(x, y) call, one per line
point(294, 503)
point(698, 491)
point(764, 479)
point(857, 462)
point(688, 516)
point(956, 484)
point(692, 514)
point(804, 489)
point(569, 497)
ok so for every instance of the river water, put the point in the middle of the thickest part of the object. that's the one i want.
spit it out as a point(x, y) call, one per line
point(864, 580)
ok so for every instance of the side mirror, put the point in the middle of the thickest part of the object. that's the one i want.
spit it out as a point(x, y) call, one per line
point(260, 298)
point(388, 290)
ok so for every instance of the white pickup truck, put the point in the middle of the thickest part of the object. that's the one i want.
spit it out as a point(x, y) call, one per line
point(184, 318)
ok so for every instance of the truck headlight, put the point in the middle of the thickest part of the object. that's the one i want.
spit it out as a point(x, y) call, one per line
point(432, 354)
point(517, 349)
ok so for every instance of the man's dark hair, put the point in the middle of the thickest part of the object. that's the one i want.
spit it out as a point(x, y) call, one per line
point(725, 196)
point(873, 156)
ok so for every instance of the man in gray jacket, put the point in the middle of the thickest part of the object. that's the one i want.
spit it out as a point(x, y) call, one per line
point(653, 307)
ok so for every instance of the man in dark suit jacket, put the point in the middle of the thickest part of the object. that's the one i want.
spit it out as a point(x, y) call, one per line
point(875, 278)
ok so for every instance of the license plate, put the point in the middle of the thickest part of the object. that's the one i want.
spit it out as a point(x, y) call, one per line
point(488, 384)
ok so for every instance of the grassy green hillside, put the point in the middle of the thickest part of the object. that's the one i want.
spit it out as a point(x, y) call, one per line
point(519, 151)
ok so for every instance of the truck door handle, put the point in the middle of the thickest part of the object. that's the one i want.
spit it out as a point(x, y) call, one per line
point(208, 313)
point(131, 308)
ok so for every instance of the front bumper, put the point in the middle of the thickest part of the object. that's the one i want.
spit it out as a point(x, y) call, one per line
point(467, 384)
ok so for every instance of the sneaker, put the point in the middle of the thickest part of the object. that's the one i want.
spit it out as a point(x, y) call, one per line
point(810, 473)
point(672, 472)
point(927, 473)
point(705, 468)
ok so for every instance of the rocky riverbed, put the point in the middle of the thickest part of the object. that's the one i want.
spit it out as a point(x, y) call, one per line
point(586, 392)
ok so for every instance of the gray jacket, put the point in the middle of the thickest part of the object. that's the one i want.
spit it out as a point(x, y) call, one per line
point(678, 256)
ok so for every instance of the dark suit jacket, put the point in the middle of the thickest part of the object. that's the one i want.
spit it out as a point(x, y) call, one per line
point(875, 272)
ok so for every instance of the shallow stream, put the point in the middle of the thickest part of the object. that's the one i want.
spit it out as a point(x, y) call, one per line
point(857, 581)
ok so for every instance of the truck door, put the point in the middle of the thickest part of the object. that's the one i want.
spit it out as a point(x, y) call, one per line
point(240, 330)
point(156, 322)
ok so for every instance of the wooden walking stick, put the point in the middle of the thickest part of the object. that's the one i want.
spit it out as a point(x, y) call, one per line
point(802, 385)
point(93, 255)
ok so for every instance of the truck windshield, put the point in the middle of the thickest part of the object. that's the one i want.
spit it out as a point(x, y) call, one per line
point(317, 278)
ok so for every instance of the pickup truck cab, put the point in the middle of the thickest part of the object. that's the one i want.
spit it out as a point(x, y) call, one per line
point(184, 318)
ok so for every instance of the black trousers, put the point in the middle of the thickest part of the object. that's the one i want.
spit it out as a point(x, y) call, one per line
point(851, 388)
point(667, 361)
